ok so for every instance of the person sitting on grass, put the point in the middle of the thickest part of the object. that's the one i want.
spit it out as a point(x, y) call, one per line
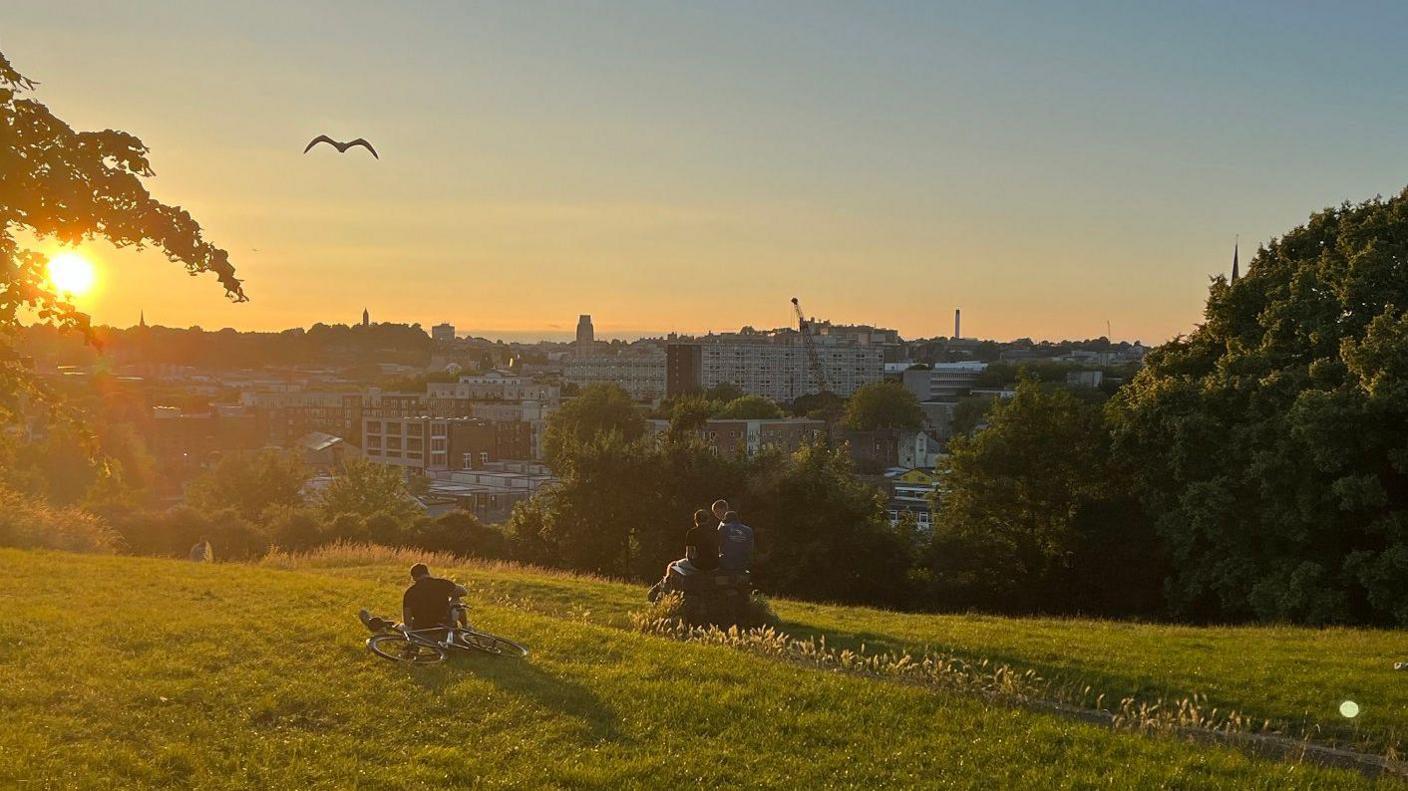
point(425, 604)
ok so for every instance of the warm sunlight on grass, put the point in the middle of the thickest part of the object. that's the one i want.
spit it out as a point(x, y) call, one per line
point(72, 274)
point(124, 672)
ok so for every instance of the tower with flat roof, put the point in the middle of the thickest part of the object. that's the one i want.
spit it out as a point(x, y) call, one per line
point(586, 334)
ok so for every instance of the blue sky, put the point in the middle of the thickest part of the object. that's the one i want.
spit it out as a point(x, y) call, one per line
point(693, 166)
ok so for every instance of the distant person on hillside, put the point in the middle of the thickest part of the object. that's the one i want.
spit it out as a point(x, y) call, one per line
point(425, 604)
point(735, 544)
point(202, 552)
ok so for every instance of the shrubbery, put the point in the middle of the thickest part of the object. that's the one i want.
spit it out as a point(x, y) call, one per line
point(29, 524)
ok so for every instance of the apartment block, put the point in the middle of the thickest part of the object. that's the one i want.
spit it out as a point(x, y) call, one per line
point(641, 374)
point(436, 443)
point(778, 369)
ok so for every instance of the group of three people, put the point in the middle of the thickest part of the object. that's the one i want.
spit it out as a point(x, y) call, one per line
point(718, 541)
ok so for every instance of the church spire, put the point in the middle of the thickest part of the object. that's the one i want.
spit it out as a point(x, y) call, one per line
point(142, 319)
point(1235, 245)
point(366, 318)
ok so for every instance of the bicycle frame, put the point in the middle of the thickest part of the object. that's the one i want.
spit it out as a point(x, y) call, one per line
point(459, 624)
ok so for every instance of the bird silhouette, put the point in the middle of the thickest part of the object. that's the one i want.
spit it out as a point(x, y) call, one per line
point(341, 147)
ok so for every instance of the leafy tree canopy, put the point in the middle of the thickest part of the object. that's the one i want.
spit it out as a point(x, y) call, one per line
point(1272, 442)
point(599, 410)
point(749, 407)
point(689, 412)
point(366, 491)
point(56, 183)
point(250, 485)
point(1031, 509)
point(883, 405)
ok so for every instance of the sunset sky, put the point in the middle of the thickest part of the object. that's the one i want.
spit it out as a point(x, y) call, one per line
point(693, 166)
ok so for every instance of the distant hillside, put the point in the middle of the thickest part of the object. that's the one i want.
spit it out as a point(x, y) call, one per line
point(135, 672)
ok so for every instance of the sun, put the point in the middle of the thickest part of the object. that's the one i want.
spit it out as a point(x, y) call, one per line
point(71, 274)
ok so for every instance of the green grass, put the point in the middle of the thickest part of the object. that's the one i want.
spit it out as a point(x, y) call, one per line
point(1296, 677)
point(133, 672)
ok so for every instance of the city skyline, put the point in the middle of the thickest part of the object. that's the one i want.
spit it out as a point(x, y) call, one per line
point(569, 336)
point(692, 169)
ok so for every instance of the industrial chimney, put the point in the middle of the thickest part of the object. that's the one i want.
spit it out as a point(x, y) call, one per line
point(957, 326)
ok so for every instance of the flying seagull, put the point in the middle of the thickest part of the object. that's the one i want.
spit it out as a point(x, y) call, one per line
point(341, 147)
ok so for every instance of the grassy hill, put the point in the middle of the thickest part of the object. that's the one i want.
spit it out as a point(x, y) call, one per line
point(135, 672)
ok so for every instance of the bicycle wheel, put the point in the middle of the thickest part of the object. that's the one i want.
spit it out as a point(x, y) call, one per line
point(398, 648)
point(488, 643)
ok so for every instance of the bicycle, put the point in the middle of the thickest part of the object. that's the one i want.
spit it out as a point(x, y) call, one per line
point(430, 646)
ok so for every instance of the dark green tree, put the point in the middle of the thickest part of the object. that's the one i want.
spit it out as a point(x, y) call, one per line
point(622, 508)
point(1270, 442)
point(250, 484)
point(819, 406)
point(822, 533)
point(599, 410)
point(1032, 516)
point(365, 491)
point(883, 405)
point(750, 407)
point(969, 413)
point(690, 412)
point(461, 533)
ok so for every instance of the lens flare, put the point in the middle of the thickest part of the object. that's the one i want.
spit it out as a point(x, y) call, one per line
point(1349, 709)
point(71, 274)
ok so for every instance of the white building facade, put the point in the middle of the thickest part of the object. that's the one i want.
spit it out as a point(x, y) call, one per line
point(640, 374)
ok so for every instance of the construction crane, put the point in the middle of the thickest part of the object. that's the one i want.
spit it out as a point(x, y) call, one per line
point(804, 327)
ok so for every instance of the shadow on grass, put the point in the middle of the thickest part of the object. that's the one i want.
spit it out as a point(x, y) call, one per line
point(520, 678)
point(1115, 685)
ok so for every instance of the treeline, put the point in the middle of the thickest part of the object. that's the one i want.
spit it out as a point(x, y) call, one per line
point(63, 495)
point(1034, 517)
point(229, 349)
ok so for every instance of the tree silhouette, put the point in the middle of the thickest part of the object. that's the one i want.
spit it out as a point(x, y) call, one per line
point(70, 186)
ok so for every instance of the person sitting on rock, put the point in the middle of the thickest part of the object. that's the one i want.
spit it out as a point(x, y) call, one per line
point(701, 543)
point(701, 553)
point(735, 545)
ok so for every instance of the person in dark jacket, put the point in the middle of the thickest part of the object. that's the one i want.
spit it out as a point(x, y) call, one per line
point(701, 543)
point(701, 552)
point(425, 604)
